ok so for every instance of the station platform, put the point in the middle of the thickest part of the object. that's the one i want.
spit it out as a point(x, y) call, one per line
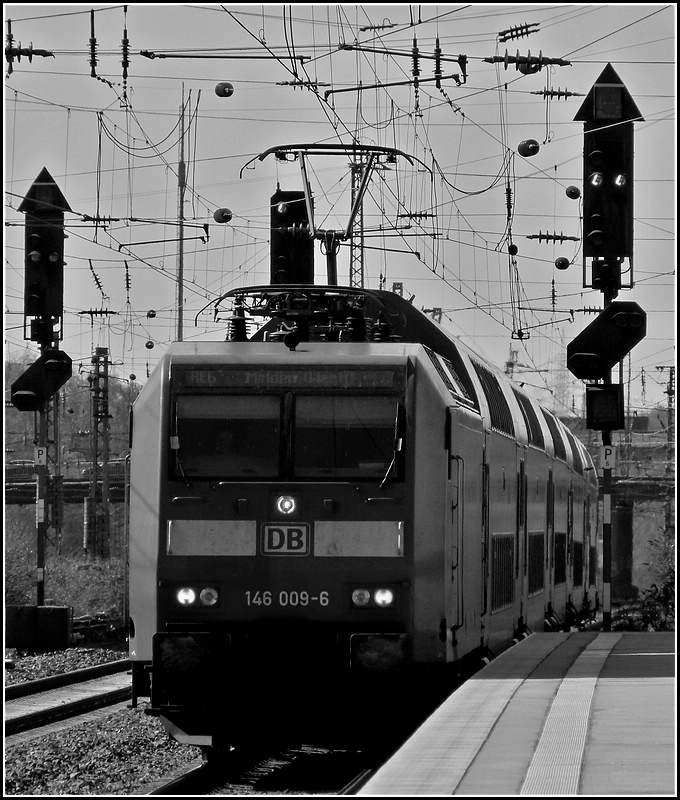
point(582, 713)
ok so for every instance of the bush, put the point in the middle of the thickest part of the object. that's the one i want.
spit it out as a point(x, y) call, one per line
point(90, 587)
point(654, 611)
point(71, 578)
point(20, 557)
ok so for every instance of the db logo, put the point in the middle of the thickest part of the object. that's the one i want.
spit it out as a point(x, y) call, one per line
point(285, 540)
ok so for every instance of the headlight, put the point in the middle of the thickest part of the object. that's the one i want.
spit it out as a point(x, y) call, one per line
point(209, 596)
point(286, 504)
point(361, 597)
point(185, 596)
point(383, 597)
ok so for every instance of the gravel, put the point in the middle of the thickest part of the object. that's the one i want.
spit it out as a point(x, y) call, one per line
point(115, 754)
point(44, 665)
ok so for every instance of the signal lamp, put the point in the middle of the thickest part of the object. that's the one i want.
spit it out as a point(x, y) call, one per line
point(562, 262)
point(596, 159)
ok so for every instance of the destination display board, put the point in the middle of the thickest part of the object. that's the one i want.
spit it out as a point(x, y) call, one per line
point(280, 378)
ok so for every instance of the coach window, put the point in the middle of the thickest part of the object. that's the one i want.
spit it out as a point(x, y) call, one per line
point(344, 437)
point(228, 436)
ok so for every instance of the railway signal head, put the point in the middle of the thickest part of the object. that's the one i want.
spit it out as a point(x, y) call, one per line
point(44, 206)
point(292, 247)
point(608, 193)
point(608, 113)
point(44, 268)
point(41, 380)
point(604, 407)
point(610, 337)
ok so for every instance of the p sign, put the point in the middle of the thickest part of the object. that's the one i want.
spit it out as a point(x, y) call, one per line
point(285, 540)
point(607, 456)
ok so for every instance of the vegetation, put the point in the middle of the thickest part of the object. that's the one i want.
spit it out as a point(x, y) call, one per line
point(654, 610)
point(71, 578)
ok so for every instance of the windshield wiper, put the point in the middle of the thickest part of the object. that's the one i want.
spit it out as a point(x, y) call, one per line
point(398, 443)
point(174, 446)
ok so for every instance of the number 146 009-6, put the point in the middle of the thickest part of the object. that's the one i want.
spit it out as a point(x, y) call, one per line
point(285, 598)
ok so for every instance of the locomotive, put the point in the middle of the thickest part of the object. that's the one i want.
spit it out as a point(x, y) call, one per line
point(347, 499)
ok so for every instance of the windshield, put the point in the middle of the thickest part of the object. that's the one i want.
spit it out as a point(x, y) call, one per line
point(227, 436)
point(247, 437)
point(343, 437)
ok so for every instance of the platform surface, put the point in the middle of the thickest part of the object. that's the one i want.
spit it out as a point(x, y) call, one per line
point(587, 713)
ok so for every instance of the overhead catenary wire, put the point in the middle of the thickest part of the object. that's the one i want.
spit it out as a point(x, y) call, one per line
point(451, 201)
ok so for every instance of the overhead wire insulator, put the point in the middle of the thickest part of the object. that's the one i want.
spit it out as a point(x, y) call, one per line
point(527, 63)
point(127, 281)
point(308, 84)
point(508, 199)
point(125, 62)
point(438, 65)
point(518, 31)
point(96, 279)
point(416, 73)
point(238, 324)
point(552, 237)
point(9, 40)
point(93, 47)
point(551, 94)
point(416, 215)
point(93, 53)
point(385, 24)
point(12, 52)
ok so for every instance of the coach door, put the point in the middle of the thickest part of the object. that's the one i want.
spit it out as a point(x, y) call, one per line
point(463, 519)
point(455, 505)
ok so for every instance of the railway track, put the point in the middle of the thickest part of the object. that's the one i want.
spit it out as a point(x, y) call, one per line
point(336, 768)
point(40, 702)
point(305, 770)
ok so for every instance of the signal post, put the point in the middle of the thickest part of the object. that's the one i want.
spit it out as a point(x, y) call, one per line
point(34, 389)
point(608, 113)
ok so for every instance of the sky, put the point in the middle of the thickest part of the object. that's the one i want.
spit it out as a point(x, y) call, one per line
point(438, 220)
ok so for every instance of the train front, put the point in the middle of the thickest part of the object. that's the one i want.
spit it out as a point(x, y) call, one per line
point(269, 556)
